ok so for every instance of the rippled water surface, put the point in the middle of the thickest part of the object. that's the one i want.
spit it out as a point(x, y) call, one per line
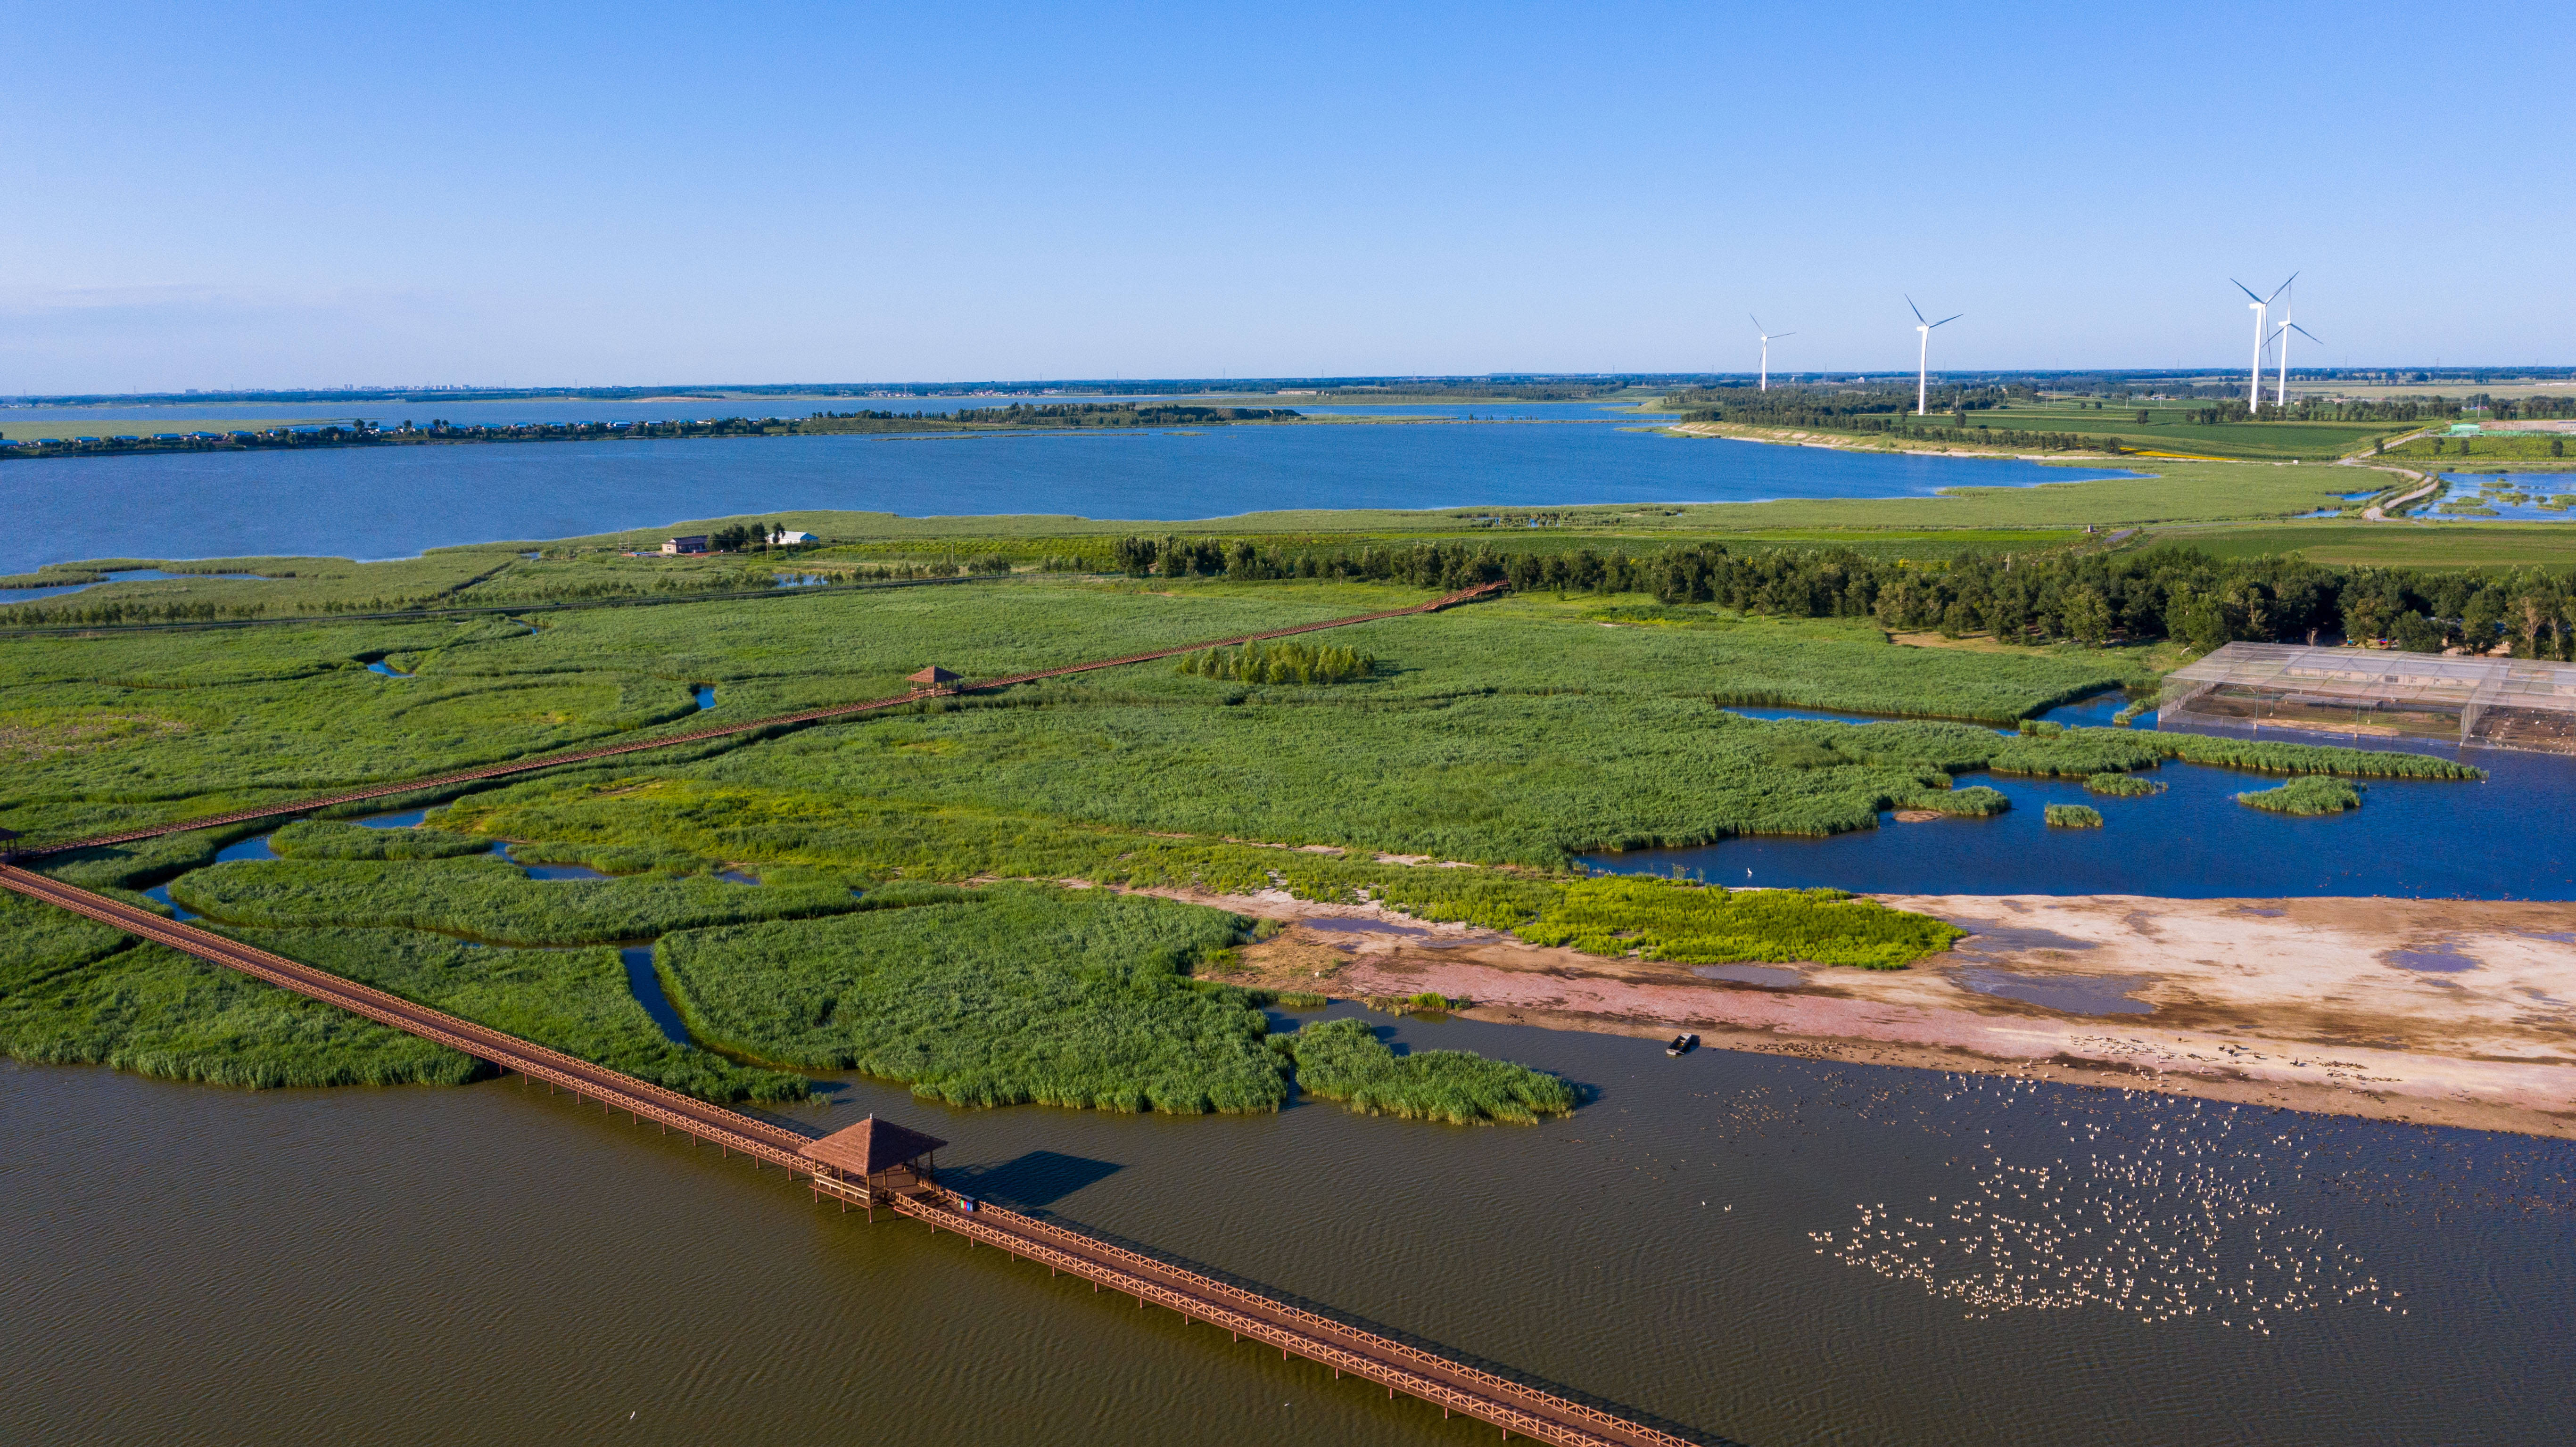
point(395, 501)
point(1757, 1249)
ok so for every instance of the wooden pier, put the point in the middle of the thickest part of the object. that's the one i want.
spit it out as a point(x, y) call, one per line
point(907, 1186)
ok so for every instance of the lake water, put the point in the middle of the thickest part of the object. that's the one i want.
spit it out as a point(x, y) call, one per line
point(2413, 838)
point(1700, 1243)
point(396, 501)
point(526, 411)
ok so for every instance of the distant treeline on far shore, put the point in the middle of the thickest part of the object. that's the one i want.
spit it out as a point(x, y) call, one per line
point(360, 432)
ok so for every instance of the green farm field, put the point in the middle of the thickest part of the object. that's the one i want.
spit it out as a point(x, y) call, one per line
point(2393, 544)
point(2169, 428)
point(2486, 449)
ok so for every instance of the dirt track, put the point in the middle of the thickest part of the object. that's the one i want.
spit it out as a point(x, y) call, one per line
point(2438, 1011)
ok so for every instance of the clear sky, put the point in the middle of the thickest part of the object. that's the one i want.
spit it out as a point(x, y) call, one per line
point(305, 195)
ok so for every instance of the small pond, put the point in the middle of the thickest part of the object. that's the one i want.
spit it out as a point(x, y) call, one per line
point(2510, 496)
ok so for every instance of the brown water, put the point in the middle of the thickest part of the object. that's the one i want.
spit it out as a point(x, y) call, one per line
point(1703, 1243)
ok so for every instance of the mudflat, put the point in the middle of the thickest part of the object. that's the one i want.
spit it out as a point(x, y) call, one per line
point(2452, 1012)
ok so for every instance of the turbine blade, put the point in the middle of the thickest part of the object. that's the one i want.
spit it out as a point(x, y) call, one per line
point(1918, 311)
point(2285, 286)
point(2249, 291)
point(1775, 336)
point(1757, 321)
point(2303, 331)
point(1945, 321)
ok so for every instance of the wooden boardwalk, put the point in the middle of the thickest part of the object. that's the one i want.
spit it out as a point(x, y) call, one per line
point(666, 741)
point(1452, 1386)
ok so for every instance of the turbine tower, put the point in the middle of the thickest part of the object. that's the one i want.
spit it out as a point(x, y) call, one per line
point(1923, 359)
point(2261, 306)
point(1766, 349)
point(2281, 394)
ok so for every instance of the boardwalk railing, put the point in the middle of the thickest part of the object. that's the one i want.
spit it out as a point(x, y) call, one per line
point(1453, 1386)
point(666, 741)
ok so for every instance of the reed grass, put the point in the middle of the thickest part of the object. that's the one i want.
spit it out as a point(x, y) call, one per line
point(1286, 661)
point(326, 839)
point(2305, 797)
point(2073, 816)
point(1343, 1060)
point(488, 900)
point(2121, 786)
point(1662, 920)
point(1002, 996)
point(577, 1001)
point(77, 993)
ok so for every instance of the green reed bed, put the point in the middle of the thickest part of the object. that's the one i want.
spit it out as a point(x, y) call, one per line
point(2073, 816)
point(489, 899)
point(2272, 757)
point(325, 839)
point(1343, 1060)
point(1625, 914)
point(1007, 995)
point(2121, 786)
point(577, 1001)
point(1286, 661)
point(77, 993)
point(2305, 797)
point(2078, 753)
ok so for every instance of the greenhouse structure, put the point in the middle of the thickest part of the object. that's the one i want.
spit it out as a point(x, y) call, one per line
point(2245, 688)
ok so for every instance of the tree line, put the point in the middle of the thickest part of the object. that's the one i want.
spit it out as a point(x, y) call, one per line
point(2090, 597)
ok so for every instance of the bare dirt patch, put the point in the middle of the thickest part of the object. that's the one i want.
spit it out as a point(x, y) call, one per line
point(2436, 1011)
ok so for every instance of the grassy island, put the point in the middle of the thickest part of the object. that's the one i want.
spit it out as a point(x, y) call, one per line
point(2305, 797)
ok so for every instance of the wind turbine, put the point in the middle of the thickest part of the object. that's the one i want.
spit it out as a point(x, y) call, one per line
point(1766, 350)
point(2281, 397)
point(1923, 360)
point(2261, 306)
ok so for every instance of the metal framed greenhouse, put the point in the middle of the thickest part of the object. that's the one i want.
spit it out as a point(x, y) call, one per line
point(2512, 703)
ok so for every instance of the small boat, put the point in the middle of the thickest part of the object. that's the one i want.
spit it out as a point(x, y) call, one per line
point(1682, 1045)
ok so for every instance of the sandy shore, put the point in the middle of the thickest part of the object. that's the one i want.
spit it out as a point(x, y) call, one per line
point(2434, 1011)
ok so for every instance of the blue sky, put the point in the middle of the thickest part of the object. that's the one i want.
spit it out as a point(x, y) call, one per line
point(303, 195)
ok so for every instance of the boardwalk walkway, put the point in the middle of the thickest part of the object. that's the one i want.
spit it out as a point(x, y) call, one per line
point(1454, 1387)
point(665, 741)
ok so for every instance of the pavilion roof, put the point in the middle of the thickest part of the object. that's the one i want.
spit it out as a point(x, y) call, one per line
point(871, 1146)
point(933, 674)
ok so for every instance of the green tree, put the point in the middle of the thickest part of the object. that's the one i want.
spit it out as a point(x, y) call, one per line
point(2088, 617)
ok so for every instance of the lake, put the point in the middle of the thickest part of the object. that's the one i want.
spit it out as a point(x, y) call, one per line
point(1700, 1243)
point(395, 501)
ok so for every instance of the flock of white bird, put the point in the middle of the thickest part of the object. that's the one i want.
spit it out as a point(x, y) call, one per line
point(2175, 1225)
